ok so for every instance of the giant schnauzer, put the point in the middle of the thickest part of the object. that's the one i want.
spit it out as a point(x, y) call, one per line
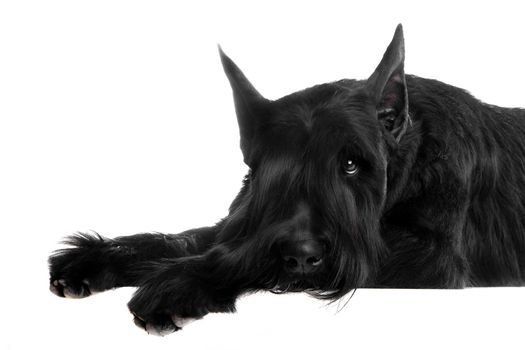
point(394, 181)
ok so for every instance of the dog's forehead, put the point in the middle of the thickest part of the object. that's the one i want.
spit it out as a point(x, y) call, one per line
point(326, 116)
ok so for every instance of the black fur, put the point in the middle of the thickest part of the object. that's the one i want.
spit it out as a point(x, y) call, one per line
point(395, 181)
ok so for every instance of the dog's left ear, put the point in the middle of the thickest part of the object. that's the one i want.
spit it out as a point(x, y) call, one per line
point(387, 87)
point(251, 107)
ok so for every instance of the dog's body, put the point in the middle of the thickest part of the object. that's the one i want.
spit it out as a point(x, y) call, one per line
point(394, 181)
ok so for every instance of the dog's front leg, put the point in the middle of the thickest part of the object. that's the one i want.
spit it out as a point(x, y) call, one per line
point(94, 264)
point(186, 289)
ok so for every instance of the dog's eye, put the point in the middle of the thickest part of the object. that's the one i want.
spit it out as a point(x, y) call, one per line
point(350, 168)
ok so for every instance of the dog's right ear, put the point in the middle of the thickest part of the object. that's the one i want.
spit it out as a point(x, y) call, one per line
point(250, 105)
point(387, 86)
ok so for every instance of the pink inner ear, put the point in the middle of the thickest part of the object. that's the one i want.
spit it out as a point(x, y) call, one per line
point(389, 100)
point(396, 78)
point(392, 90)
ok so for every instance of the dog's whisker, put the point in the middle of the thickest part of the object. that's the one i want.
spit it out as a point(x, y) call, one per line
point(348, 298)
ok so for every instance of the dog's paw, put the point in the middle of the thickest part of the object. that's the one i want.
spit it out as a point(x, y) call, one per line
point(79, 270)
point(171, 299)
point(157, 319)
point(70, 289)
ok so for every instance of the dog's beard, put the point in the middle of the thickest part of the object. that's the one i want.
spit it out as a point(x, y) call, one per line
point(334, 281)
point(294, 284)
point(315, 287)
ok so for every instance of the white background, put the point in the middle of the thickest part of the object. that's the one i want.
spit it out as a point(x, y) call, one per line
point(115, 116)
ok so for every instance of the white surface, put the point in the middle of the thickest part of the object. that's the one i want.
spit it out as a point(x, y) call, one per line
point(115, 116)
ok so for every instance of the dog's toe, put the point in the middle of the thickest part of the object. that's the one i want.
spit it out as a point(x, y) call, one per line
point(161, 326)
point(139, 322)
point(56, 288)
point(181, 322)
point(160, 330)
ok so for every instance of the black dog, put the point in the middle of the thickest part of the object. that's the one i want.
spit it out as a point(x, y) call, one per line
point(395, 181)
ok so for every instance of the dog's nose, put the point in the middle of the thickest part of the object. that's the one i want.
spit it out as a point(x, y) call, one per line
point(302, 257)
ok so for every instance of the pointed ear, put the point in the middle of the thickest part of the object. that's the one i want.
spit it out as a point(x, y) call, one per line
point(250, 105)
point(388, 88)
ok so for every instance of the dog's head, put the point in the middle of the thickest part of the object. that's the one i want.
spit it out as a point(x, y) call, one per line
point(308, 215)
